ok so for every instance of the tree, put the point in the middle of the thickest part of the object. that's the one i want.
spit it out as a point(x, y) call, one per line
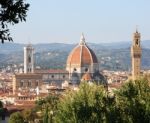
point(87, 105)
point(11, 12)
point(29, 115)
point(93, 104)
point(48, 107)
point(133, 101)
point(1, 104)
point(16, 118)
point(46, 117)
point(1, 109)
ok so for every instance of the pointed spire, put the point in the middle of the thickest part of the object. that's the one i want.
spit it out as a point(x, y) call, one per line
point(136, 28)
point(82, 40)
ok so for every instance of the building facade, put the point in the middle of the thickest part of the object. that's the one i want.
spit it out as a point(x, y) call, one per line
point(82, 65)
point(28, 81)
point(53, 76)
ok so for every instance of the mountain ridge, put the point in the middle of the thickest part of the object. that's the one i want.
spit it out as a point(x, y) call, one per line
point(112, 56)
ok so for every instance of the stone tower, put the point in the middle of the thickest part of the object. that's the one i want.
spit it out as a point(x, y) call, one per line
point(136, 55)
point(28, 59)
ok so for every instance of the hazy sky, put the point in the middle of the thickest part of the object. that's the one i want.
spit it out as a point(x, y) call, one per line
point(101, 21)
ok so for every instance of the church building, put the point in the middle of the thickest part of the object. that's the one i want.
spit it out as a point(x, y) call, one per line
point(82, 65)
point(29, 80)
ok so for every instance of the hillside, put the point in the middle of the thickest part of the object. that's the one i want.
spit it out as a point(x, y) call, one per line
point(112, 56)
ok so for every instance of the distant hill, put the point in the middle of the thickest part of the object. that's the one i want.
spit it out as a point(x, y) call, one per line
point(112, 56)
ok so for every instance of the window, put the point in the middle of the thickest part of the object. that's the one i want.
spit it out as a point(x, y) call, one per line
point(29, 83)
point(86, 69)
point(52, 76)
point(29, 59)
point(21, 83)
point(137, 42)
point(37, 82)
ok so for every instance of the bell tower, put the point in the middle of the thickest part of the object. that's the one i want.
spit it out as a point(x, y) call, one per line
point(136, 55)
point(28, 59)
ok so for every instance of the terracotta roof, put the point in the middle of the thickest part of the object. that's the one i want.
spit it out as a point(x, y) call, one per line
point(115, 85)
point(82, 54)
point(86, 77)
point(25, 102)
point(28, 75)
point(51, 71)
point(14, 108)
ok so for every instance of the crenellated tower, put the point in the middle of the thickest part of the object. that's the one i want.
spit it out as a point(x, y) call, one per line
point(136, 55)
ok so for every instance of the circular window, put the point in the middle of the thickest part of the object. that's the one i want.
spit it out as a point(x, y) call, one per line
point(86, 69)
point(75, 69)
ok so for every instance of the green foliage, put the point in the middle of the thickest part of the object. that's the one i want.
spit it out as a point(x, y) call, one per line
point(1, 109)
point(16, 118)
point(46, 117)
point(133, 101)
point(1, 104)
point(29, 115)
point(91, 103)
point(48, 107)
point(50, 102)
point(87, 105)
point(11, 12)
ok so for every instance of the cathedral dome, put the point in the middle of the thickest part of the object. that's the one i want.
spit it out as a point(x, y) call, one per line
point(82, 54)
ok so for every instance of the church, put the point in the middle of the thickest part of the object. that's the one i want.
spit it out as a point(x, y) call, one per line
point(82, 65)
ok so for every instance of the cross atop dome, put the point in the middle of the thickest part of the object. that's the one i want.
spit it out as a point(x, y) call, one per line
point(82, 40)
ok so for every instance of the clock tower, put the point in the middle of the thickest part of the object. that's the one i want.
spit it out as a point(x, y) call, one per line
point(136, 55)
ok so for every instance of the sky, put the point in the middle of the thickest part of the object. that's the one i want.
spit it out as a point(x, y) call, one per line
point(101, 21)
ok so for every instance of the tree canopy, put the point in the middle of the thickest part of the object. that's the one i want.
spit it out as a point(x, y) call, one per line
point(92, 103)
point(11, 12)
point(133, 101)
point(16, 118)
point(82, 106)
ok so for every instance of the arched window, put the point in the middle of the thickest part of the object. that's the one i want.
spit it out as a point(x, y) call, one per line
point(29, 59)
point(29, 83)
point(137, 42)
point(52, 76)
point(86, 69)
point(21, 83)
point(37, 83)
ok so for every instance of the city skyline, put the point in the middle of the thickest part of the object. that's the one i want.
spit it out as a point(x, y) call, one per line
point(100, 21)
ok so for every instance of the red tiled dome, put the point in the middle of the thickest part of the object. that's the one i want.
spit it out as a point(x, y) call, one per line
point(82, 54)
